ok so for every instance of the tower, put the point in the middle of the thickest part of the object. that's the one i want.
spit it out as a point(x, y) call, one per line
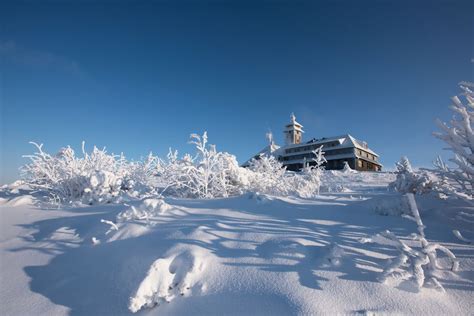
point(293, 131)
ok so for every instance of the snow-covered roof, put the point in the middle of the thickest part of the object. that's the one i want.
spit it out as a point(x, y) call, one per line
point(270, 149)
point(293, 125)
point(297, 127)
point(345, 141)
point(361, 145)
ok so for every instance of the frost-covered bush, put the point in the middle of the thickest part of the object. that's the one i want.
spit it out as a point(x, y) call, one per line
point(102, 186)
point(143, 176)
point(95, 177)
point(268, 176)
point(418, 265)
point(410, 181)
point(208, 174)
point(459, 136)
point(307, 183)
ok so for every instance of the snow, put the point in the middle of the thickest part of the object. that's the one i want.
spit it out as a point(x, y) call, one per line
point(18, 201)
point(253, 254)
point(170, 277)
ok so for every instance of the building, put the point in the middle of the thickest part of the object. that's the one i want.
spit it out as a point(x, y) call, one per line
point(337, 150)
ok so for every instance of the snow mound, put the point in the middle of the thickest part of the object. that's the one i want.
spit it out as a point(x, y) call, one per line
point(168, 278)
point(20, 201)
point(149, 208)
point(260, 198)
point(15, 187)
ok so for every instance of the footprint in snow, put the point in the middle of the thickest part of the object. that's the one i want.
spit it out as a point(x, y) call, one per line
point(167, 279)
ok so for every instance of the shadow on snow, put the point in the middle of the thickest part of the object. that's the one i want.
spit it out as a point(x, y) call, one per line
point(101, 278)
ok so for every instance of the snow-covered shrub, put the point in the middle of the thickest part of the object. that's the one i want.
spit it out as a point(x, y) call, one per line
point(409, 181)
point(173, 173)
point(414, 264)
point(143, 176)
point(268, 176)
point(208, 174)
point(307, 183)
point(102, 186)
point(95, 177)
point(459, 136)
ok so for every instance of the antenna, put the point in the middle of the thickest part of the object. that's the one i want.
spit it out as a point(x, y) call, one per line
point(269, 136)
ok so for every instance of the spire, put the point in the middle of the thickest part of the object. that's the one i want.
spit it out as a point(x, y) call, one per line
point(293, 131)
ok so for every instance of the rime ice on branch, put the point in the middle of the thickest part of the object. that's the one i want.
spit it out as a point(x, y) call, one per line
point(459, 136)
point(409, 181)
point(416, 264)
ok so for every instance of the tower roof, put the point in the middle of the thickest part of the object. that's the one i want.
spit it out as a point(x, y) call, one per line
point(293, 123)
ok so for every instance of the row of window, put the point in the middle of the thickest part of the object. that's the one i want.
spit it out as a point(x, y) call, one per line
point(310, 156)
point(339, 164)
point(333, 152)
point(311, 147)
point(362, 153)
point(367, 165)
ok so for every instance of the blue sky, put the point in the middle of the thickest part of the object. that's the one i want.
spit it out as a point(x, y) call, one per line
point(141, 76)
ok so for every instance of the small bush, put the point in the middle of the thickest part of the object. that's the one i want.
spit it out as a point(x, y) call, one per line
point(94, 177)
point(409, 181)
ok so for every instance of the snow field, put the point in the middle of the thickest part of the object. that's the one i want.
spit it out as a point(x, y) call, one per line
point(251, 254)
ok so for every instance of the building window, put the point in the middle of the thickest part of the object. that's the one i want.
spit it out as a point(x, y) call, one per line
point(359, 163)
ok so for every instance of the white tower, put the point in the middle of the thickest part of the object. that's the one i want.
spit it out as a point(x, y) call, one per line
point(293, 131)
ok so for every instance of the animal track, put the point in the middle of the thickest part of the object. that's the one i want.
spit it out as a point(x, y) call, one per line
point(168, 278)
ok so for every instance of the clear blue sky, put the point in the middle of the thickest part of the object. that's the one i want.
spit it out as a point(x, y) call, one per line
point(141, 76)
